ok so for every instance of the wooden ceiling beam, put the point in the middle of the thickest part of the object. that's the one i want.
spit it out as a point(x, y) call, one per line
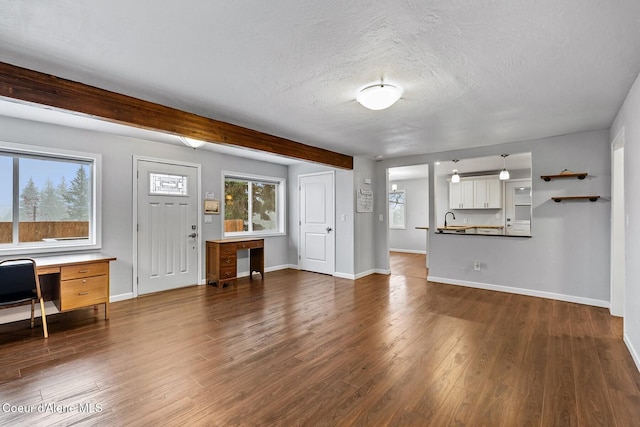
point(35, 87)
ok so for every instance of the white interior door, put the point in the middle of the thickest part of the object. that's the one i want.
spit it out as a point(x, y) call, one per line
point(167, 223)
point(317, 237)
point(517, 204)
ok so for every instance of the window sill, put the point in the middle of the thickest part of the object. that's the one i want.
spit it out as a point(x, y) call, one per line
point(47, 250)
point(252, 235)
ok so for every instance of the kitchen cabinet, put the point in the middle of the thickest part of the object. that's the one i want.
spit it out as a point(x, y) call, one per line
point(461, 195)
point(487, 230)
point(484, 193)
point(487, 194)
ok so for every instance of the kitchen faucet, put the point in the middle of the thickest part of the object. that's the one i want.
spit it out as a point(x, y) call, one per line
point(445, 217)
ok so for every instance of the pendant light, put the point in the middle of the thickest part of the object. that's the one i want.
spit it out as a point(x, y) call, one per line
point(455, 178)
point(504, 174)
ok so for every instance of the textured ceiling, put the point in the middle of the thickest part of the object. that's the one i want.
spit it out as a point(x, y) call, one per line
point(473, 73)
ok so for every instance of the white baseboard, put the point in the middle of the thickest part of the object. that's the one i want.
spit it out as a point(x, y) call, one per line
point(365, 274)
point(121, 297)
point(281, 267)
point(360, 275)
point(408, 251)
point(632, 350)
point(348, 276)
point(268, 269)
point(521, 291)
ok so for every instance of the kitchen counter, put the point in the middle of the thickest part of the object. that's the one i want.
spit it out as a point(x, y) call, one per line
point(471, 229)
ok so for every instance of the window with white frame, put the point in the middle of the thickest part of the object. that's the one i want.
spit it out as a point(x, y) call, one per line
point(48, 200)
point(397, 204)
point(253, 205)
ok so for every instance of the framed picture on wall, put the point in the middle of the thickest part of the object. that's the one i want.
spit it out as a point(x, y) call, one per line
point(212, 207)
point(364, 200)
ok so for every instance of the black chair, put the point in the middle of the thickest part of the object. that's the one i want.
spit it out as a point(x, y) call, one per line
point(19, 285)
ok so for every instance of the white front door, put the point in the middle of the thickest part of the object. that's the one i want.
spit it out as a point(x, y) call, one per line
point(317, 237)
point(167, 224)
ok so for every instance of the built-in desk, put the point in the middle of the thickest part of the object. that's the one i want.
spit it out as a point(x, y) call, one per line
point(222, 266)
point(76, 280)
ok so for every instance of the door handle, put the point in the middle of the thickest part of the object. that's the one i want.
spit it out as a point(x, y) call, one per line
point(193, 235)
point(329, 229)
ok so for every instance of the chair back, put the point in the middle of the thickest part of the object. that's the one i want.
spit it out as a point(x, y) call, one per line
point(18, 280)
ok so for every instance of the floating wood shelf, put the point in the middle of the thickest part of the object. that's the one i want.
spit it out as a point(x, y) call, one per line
point(579, 175)
point(561, 198)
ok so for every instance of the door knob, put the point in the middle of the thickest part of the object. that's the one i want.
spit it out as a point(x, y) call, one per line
point(329, 229)
point(193, 235)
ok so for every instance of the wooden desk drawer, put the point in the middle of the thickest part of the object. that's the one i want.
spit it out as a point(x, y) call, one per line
point(226, 260)
point(83, 292)
point(228, 248)
point(251, 244)
point(84, 270)
point(48, 270)
point(227, 272)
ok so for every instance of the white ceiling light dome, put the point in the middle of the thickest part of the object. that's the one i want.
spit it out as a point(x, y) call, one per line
point(193, 143)
point(379, 96)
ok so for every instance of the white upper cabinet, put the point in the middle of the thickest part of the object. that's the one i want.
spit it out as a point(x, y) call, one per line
point(461, 195)
point(487, 194)
point(481, 193)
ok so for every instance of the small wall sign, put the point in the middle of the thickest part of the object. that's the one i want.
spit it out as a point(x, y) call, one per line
point(211, 207)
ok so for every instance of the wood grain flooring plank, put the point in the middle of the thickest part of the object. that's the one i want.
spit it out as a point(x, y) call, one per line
point(430, 381)
point(617, 366)
point(592, 396)
point(560, 407)
point(301, 348)
point(528, 396)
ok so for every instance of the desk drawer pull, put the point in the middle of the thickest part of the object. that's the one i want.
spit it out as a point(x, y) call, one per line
point(83, 271)
point(83, 293)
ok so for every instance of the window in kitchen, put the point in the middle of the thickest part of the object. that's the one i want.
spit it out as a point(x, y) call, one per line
point(397, 203)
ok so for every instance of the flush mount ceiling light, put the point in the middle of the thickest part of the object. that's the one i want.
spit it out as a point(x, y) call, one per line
point(190, 142)
point(504, 174)
point(455, 178)
point(379, 96)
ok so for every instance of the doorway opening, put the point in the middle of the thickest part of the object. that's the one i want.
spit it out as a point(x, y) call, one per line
point(618, 253)
point(408, 219)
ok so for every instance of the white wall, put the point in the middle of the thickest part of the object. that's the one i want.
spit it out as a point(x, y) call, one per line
point(628, 118)
point(117, 161)
point(417, 214)
point(364, 239)
point(568, 255)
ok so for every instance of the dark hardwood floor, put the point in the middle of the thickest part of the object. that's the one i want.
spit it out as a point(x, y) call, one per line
point(308, 349)
point(408, 264)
